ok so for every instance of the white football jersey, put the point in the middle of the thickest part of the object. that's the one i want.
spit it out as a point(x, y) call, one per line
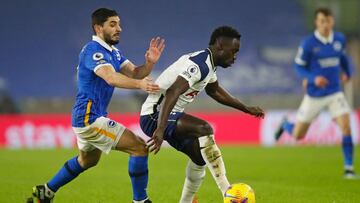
point(197, 68)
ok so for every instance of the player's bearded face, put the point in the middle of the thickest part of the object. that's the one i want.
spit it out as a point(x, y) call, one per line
point(111, 39)
point(111, 30)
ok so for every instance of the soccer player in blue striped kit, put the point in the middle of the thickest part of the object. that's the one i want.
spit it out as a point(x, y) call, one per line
point(102, 67)
point(322, 63)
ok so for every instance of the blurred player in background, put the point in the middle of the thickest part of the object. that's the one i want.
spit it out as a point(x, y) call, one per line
point(102, 67)
point(163, 117)
point(322, 63)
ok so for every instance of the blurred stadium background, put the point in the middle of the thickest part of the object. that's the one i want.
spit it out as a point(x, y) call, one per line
point(41, 40)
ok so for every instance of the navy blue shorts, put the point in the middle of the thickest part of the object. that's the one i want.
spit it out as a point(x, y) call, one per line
point(148, 124)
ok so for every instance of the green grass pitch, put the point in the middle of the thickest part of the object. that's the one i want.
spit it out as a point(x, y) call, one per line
point(277, 174)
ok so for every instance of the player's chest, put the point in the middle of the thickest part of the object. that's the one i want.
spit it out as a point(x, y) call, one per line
point(202, 84)
point(115, 59)
point(327, 50)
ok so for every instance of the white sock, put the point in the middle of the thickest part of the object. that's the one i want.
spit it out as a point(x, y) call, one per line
point(349, 167)
point(48, 193)
point(194, 176)
point(212, 156)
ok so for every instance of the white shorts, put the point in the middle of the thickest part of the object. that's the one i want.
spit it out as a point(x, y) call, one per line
point(103, 134)
point(311, 107)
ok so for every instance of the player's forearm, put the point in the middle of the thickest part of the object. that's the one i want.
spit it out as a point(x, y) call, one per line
point(304, 72)
point(142, 71)
point(235, 103)
point(345, 65)
point(223, 97)
point(168, 104)
point(121, 81)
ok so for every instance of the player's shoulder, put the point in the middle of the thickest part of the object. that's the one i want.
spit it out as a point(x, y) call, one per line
point(199, 59)
point(118, 51)
point(92, 47)
point(195, 53)
point(94, 52)
point(339, 36)
point(308, 41)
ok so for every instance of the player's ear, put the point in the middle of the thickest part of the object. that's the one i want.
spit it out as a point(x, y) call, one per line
point(331, 20)
point(97, 28)
point(315, 21)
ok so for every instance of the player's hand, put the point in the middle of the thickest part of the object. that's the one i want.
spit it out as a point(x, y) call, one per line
point(156, 140)
point(256, 111)
point(321, 81)
point(149, 86)
point(305, 84)
point(344, 78)
point(156, 47)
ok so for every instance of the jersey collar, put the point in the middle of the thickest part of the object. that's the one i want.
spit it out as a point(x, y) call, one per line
point(323, 39)
point(103, 43)
point(211, 58)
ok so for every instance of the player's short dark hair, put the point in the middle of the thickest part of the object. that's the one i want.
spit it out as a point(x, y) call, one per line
point(224, 31)
point(325, 11)
point(100, 16)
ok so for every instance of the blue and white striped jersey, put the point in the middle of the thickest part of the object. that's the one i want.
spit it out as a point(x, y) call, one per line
point(93, 93)
point(319, 56)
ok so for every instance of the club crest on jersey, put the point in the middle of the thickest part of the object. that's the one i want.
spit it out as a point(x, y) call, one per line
point(111, 123)
point(316, 50)
point(337, 46)
point(187, 74)
point(193, 69)
point(118, 57)
point(98, 56)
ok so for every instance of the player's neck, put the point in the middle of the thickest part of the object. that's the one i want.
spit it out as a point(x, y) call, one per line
point(325, 34)
point(101, 37)
point(213, 55)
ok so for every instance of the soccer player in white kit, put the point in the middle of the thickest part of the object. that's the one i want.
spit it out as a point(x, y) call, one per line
point(163, 117)
point(322, 63)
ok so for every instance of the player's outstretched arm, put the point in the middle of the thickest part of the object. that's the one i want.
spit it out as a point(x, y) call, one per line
point(171, 96)
point(119, 80)
point(346, 67)
point(152, 55)
point(215, 91)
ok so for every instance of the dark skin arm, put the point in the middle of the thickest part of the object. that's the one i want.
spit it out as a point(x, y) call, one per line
point(171, 96)
point(215, 91)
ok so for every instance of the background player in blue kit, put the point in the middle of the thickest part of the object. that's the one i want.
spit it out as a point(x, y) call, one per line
point(102, 67)
point(322, 63)
point(163, 117)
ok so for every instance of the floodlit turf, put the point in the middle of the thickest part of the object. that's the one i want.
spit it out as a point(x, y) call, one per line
point(280, 174)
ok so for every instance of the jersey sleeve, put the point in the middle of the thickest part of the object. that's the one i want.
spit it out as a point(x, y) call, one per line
point(303, 54)
point(123, 60)
point(213, 78)
point(346, 65)
point(345, 61)
point(302, 61)
point(192, 74)
point(94, 59)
